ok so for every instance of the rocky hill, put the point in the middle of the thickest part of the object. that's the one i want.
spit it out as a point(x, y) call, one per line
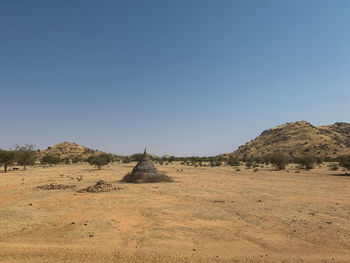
point(300, 138)
point(68, 150)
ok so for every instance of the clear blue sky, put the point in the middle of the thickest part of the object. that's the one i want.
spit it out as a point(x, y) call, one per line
point(189, 77)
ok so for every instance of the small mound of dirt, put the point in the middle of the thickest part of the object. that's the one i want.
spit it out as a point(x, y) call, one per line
point(100, 187)
point(54, 186)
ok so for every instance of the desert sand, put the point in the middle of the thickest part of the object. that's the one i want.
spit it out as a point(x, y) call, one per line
point(206, 215)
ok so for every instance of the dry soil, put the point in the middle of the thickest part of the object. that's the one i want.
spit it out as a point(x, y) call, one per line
point(206, 215)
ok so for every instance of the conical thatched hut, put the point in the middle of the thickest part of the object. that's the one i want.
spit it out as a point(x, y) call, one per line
point(145, 172)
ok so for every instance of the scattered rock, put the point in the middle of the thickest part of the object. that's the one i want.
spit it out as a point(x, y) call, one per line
point(54, 186)
point(99, 187)
point(79, 178)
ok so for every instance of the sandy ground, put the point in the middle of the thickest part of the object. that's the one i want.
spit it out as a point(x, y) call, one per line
point(206, 215)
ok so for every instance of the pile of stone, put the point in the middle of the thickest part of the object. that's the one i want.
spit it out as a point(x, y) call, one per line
point(100, 187)
point(54, 186)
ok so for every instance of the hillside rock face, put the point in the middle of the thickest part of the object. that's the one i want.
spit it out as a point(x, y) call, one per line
point(300, 138)
point(68, 150)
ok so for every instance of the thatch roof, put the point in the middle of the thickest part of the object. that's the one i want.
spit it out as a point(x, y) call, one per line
point(145, 172)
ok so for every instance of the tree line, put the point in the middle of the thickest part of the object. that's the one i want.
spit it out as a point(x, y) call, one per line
point(278, 159)
point(26, 155)
point(22, 155)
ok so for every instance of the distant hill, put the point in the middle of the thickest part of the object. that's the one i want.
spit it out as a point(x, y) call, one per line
point(68, 150)
point(299, 138)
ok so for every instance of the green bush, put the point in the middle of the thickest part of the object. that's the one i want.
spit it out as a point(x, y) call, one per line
point(215, 163)
point(279, 160)
point(77, 159)
point(344, 161)
point(233, 161)
point(249, 164)
point(306, 162)
point(7, 158)
point(50, 159)
point(25, 155)
point(99, 160)
point(333, 167)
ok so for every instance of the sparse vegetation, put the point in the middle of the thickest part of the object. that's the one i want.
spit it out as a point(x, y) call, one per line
point(333, 167)
point(77, 159)
point(66, 160)
point(344, 161)
point(25, 155)
point(214, 163)
point(297, 139)
point(7, 158)
point(248, 164)
point(100, 160)
point(279, 160)
point(49, 159)
point(306, 162)
point(232, 161)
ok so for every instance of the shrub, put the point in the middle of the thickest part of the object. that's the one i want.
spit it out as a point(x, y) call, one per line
point(266, 160)
point(25, 155)
point(249, 164)
point(344, 161)
point(279, 160)
point(99, 160)
point(258, 159)
point(233, 161)
point(50, 159)
point(77, 159)
point(329, 159)
point(215, 163)
point(333, 167)
point(7, 158)
point(306, 162)
point(171, 159)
